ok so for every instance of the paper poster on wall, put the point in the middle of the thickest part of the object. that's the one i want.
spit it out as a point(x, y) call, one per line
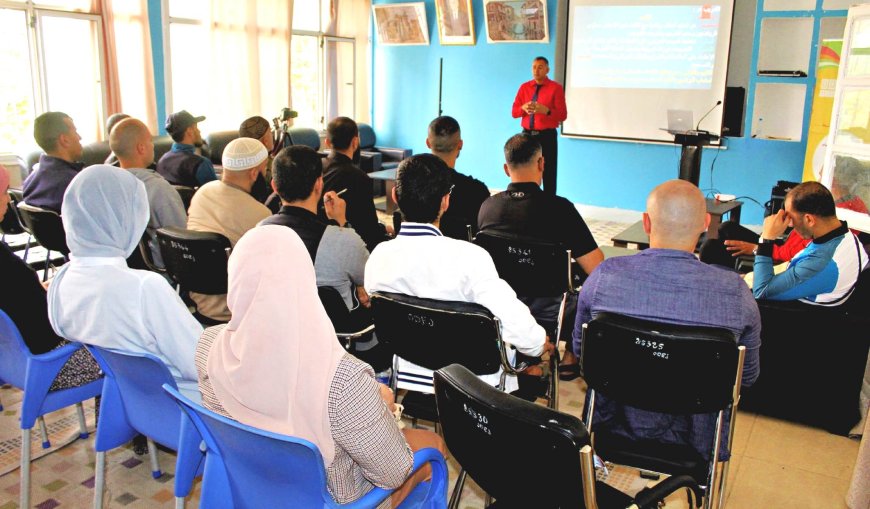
point(823, 105)
point(516, 21)
point(401, 24)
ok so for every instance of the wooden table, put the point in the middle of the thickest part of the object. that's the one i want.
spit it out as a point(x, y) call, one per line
point(389, 178)
point(634, 234)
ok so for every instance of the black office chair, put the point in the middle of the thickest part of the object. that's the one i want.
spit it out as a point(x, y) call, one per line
point(47, 228)
point(141, 258)
point(12, 225)
point(186, 193)
point(340, 317)
point(432, 334)
point(484, 428)
point(664, 368)
point(196, 261)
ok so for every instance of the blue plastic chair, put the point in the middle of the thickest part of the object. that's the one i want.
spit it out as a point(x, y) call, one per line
point(246, 467)
point(134, 403)
point(34, 375)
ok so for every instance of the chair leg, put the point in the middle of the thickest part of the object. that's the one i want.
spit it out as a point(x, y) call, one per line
point(155, 466)
point(179, 502)
point(47, 263)
point(83, 427)
point(457, 490)
point(43, 431)
point(723, 475)
point(24, 497)
point(99, 479)
point(554, 385)
point(26, 248)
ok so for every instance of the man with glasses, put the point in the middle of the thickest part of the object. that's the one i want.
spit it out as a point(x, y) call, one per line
point(422, 262)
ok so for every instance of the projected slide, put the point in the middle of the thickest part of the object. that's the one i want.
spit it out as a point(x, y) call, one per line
point(657, 47)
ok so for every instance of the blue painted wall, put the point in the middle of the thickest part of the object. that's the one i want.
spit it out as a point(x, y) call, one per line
point(480, 83)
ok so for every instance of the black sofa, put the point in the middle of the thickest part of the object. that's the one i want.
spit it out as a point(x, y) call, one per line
point(812, 361)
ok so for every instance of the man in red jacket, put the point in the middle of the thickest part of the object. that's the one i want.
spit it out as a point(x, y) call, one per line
point(541, 104)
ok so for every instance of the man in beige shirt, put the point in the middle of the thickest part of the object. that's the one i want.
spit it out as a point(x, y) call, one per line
point(227, 207)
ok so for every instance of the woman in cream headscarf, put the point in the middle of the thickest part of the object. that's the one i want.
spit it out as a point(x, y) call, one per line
point(96, 299)
point(23, 300)
point(278, 366)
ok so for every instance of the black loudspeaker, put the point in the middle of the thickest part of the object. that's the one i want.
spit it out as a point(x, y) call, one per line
point(732, 116)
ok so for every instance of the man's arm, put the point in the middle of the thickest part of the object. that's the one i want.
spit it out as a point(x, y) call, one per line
point(205, 172)
point(168, 207)
point(751, 336)
point(559, 110)
point(519, 101)
point(590, 260)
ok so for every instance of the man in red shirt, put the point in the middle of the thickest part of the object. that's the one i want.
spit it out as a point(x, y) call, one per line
point(541, 104)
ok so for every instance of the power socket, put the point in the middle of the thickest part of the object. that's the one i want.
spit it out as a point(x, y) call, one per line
point(725, 197)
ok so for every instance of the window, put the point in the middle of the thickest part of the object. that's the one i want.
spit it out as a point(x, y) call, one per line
point(55, 59)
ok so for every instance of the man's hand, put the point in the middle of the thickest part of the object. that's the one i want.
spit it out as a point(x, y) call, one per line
point(335, 207)
point(549, 346)
point(363, 297)
point(534, 107)
point(774, 225)
point(739, 247)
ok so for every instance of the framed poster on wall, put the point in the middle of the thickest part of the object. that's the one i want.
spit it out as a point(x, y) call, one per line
point(516, 21)
point(401, 24)
point(455, 22)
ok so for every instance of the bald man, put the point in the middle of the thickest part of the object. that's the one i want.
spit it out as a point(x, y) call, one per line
point(132, 144)
point(667, 283)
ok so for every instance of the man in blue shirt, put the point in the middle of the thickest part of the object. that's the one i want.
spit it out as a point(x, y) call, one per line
point(56, 134)
point(182, 166)
point(666, 283)
point(826, 271)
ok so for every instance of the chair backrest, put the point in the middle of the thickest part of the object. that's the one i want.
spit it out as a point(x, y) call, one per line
point(217, 142)
point(262, 469)
point(186, 193)
point(95, 153)
point(433, 333)
point(134, 383)
point(533, 268)
point(675, 369)
point(485, 428)
point(11, 223)
point(195, 260)
point(335, 308)
point(367, 137)
point(13, 353)
point(45, 225)
point(162, 145)
point(304, 136)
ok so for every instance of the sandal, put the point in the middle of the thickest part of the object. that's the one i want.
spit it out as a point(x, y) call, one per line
point(568, 372)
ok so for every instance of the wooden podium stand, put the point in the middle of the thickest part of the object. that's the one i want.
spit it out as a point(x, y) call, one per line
point(690, 158)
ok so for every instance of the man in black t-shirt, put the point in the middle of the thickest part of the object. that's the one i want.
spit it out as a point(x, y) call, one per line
point(524, 209)
point(445, 141)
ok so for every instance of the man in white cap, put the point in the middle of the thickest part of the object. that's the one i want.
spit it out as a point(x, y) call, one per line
point(227, 207)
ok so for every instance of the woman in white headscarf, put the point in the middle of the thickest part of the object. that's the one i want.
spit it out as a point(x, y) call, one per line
point(96, 299)
point(278, 366)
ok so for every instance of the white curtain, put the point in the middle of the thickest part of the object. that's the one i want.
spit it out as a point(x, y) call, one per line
point(348, 18)
point(249, 60)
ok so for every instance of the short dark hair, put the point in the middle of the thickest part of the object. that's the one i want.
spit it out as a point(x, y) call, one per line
point(442, 133)
point(253, 127)
point(47, 129)
point(341, 131)
point(543, 59)
point(421, 181)
point(520, 149)
point(812, 198)
point(295, 170)
point(114, 120)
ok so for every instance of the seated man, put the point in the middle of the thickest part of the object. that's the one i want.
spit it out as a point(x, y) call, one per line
point(227, 207)
point(421, 262)
point(182, 166)
point(340, 173)
point(132, 144)
point(823, 273)
point(445, 141)
point(524, 209)
point(667, 283)
point(258, 128)
point(338, 253)
point(56, 134)
point(111, 122)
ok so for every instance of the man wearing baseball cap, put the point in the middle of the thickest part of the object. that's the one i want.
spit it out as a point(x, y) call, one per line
point(227, 207)
point(182, 166)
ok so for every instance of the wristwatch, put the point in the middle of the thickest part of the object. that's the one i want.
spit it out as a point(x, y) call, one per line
point(762, 242)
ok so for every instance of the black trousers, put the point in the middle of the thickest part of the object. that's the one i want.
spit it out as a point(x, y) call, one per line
point(549, 148)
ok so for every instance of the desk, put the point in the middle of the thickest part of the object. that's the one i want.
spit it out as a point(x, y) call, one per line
point(389, 179)
point(634, 234)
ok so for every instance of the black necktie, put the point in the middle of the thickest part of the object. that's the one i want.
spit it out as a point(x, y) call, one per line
point(534, 99)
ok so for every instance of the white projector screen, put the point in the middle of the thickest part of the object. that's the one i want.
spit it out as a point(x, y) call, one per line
point(629, 62)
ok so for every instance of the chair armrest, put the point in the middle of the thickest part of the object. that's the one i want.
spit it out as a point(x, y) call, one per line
point(649, 497)
point(421, 458)
point(394, 154)
point(370, 161)
point(41, 371)
point(349, 337)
